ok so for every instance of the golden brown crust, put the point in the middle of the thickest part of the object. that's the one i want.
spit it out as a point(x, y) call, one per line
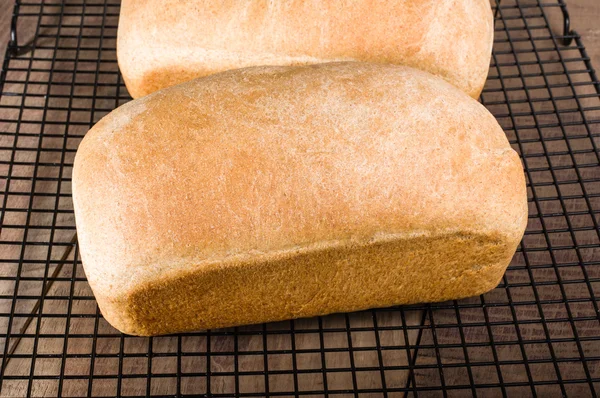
point(167, 42)
point(348, 277)
point(228, 199)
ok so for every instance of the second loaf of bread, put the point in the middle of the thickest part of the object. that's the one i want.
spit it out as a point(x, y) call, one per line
point(272, 193)
point(167, 42)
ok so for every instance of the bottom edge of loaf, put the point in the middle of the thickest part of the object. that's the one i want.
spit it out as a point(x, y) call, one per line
point(341, 279)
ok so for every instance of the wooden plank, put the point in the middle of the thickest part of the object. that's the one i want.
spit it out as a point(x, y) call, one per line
point(584, 13)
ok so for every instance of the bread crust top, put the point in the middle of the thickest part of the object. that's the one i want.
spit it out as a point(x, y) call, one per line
point(166, 42)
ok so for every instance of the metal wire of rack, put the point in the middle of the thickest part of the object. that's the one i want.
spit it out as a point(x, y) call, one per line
point(537, 334)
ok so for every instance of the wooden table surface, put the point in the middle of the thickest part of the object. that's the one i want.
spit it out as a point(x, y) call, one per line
point(585, 15)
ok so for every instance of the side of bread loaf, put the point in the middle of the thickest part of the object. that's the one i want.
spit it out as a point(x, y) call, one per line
point(166, 42)
point(271, 193)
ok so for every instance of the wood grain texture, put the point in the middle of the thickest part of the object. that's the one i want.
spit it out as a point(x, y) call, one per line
point(5, 16)
point(585, 16)
point(584, 13)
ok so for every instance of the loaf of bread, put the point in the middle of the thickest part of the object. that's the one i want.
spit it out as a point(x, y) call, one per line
point(271, 193)
point(166, 42)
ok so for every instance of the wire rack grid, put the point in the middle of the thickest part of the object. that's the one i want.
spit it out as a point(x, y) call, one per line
point(536, 334)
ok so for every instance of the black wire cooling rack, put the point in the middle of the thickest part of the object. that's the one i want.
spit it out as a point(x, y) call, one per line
point(537, 334)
